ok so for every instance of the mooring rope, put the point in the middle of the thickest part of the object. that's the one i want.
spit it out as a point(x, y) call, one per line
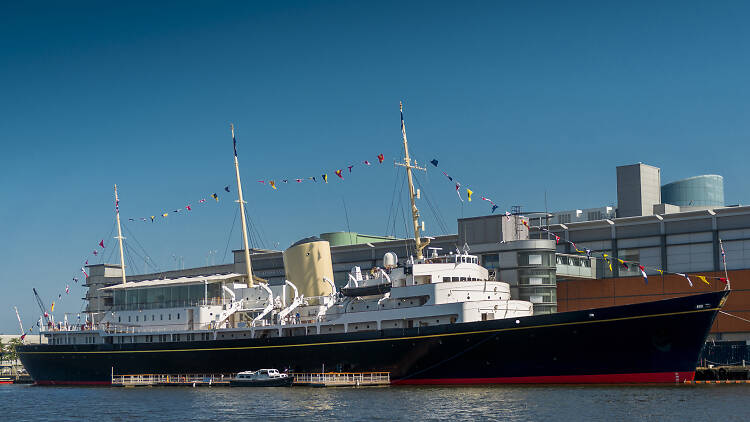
point(727, 313)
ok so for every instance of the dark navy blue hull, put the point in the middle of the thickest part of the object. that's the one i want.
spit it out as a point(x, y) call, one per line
point(650, 342)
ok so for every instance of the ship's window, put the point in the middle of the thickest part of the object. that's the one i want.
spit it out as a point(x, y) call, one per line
point(399, 304)
point(178, 315)
point(368, 306)
point(169, 317)
point(119, 319)
point(153, 317)
point(438, 321)
point(368, 326)
point(136, 318)
point(454, 279)
point(128, 318)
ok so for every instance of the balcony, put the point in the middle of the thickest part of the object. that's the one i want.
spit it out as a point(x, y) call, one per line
point(575, 266)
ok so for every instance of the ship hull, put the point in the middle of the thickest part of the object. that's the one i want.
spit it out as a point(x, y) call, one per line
point(653, 342)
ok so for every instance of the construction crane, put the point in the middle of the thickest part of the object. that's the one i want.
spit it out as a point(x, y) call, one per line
point(42, 306)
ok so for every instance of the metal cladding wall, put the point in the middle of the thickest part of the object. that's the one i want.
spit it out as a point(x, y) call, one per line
point(573, 295)
point(699, 191)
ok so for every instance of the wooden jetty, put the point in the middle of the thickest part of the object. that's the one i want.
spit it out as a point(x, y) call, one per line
point(342, 379)
point(176, 380)
point(316, 379)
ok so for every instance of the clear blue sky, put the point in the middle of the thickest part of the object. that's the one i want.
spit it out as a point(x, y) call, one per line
point(513, 98)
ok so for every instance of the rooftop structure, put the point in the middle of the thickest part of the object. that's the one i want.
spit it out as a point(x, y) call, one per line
point(698, 192)
point(638, 189)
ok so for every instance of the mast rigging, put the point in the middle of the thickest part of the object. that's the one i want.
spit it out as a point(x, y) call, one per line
point(419, 244)
point(248, 266)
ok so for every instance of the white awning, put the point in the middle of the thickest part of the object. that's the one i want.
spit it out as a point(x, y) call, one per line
point(172, 281)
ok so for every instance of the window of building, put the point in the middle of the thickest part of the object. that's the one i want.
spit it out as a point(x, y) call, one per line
point(491, 260)
point(594, 215)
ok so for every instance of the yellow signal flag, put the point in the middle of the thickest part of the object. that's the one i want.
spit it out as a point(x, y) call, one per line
point(325, 177)
point(273, 184)
point(52, 308)
point(165, 214)
point(703, 279)
point(216, 197)
point(468, 193)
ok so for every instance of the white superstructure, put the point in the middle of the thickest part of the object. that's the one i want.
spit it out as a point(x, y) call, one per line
point(425, 291)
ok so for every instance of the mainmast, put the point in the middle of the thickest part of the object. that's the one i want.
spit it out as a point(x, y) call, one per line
point(248, 266)
point(119, 235)
point(419, 244)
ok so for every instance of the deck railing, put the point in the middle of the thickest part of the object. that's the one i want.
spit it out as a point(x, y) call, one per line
point(343, 378)
point(153, 379)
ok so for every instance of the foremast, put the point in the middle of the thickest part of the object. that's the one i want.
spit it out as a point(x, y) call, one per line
point(248, 265)
point(119, 235)
point(419, 244)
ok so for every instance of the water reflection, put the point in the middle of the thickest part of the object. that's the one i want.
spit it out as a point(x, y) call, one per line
point(512, 403)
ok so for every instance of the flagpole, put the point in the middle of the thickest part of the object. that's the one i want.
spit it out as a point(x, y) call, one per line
point(119, 235)
point(248, 265)
point(23, 333)
point(418, 244)
point(724, 258)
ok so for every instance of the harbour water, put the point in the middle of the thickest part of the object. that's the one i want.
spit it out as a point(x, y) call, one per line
point(508, 403)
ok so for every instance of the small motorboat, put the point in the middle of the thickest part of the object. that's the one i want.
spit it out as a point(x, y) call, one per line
point(261, 378)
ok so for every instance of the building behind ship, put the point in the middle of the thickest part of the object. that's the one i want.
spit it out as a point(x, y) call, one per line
point(675, 227)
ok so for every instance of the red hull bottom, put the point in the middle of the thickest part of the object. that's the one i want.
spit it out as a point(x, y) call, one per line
point(641, 378)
